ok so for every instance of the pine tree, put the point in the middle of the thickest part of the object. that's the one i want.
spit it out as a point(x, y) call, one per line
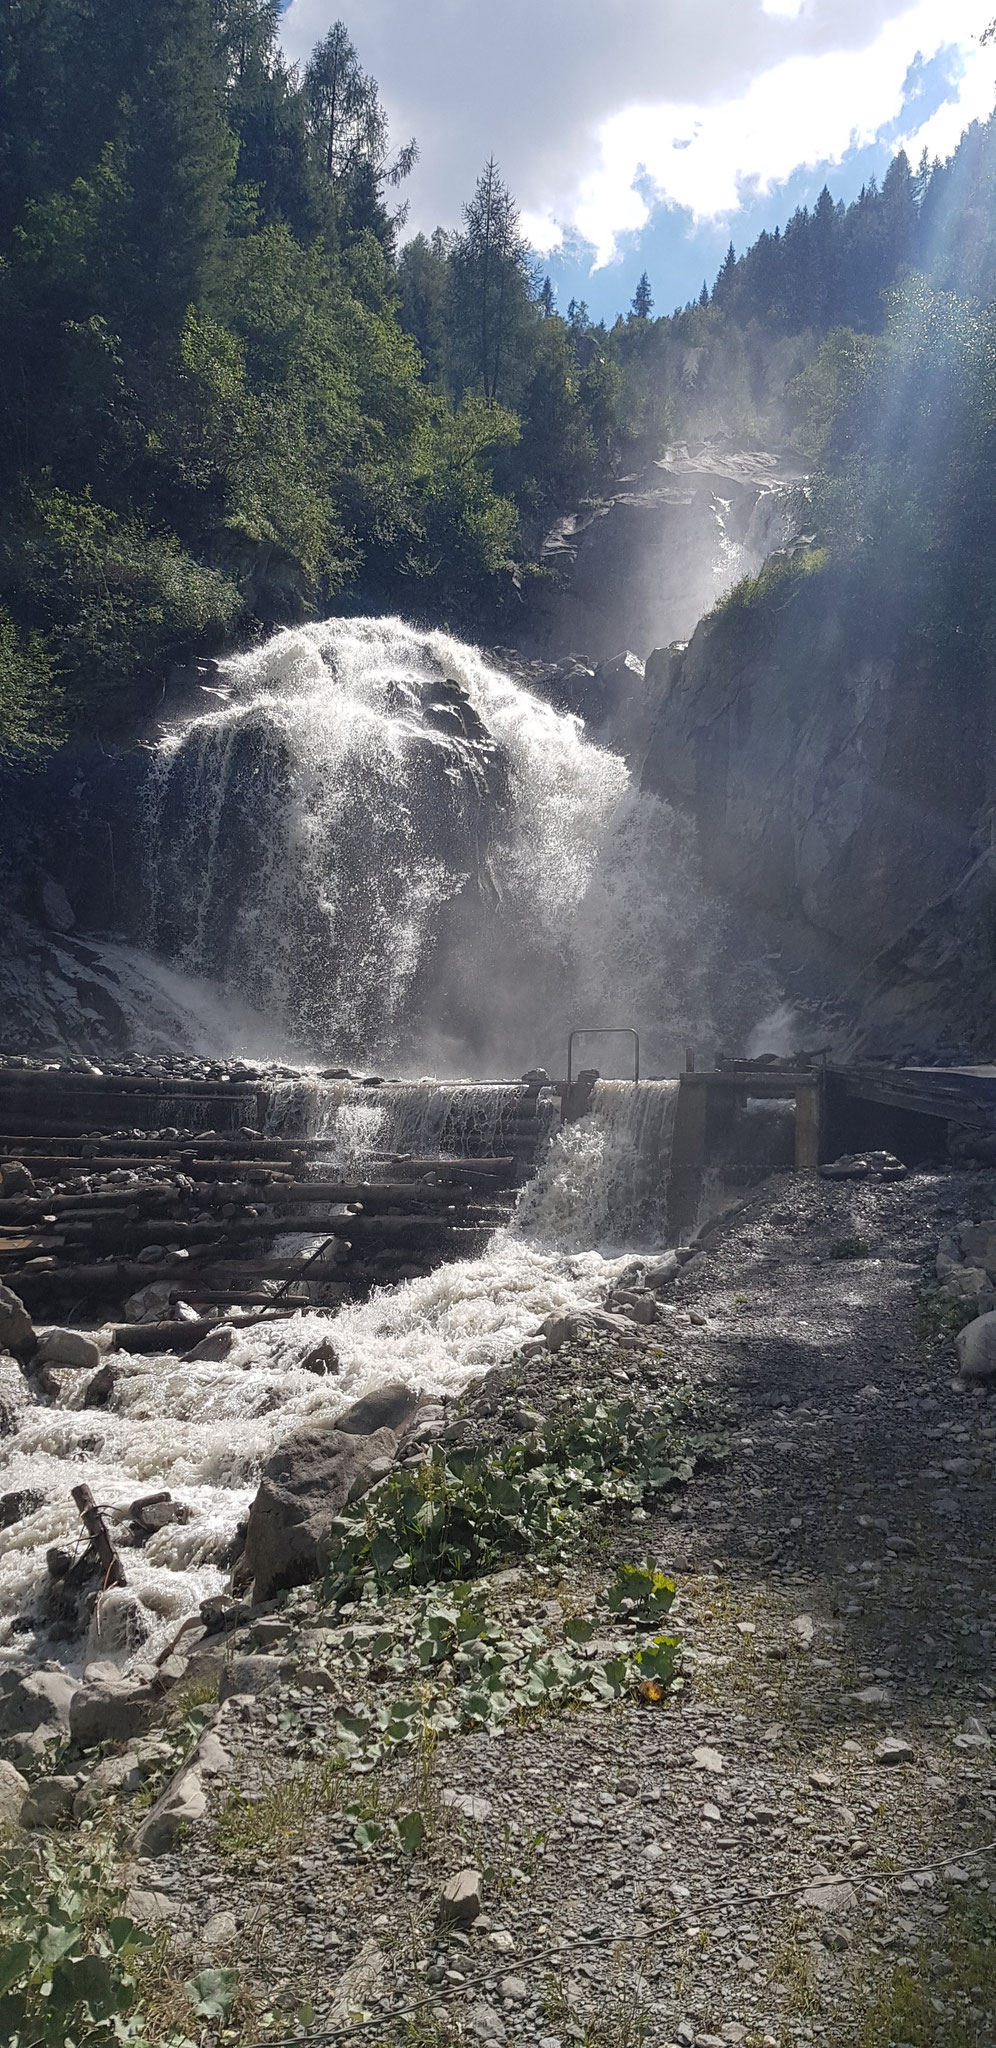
point(491, 271)
point(704, 294)
point(350, 128)
point(548, 298)
point(643, 304)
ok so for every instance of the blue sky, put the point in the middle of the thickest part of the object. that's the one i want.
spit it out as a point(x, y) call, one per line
point(648, 134)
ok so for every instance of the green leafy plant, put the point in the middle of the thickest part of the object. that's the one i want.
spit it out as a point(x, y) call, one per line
point(641, 1591)
point(68, 1961)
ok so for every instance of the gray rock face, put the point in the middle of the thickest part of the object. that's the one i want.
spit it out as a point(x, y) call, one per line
point(306, 1483)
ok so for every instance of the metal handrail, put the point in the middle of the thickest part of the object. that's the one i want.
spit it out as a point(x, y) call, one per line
point(603, 1031)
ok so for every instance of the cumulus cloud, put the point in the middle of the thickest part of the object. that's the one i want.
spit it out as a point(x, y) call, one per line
point(601, 110)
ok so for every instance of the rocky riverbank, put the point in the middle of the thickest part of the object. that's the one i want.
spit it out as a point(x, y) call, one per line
point(790, 1842)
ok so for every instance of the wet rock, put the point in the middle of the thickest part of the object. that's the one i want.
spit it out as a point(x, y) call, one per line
point(46, 1383)
point(17, 1333)
point(16, 1507)
point(460, 1900)
point(13, 1789)
point(149, 1304)
point(217, 1345)
point(306, 1483)
point(98, 1391)
point(322, 1359)
point(68, 1347)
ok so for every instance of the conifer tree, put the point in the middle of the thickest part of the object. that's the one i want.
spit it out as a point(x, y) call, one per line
point(643, 304)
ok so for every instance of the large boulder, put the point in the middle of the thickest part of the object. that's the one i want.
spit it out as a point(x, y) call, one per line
point(115, 1711)
point(976, 1348)
point(36, 1699)
point(306, 1483)
point(13, 1789)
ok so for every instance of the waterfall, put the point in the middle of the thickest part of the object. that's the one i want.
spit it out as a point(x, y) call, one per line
point(203, 1429)
point(391, 850)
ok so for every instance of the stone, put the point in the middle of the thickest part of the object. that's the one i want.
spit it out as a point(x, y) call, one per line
point(49, 1801)
point(831, 1896)
point(183, 1805)
point(16, 1507)
point(706, 1759)
point(217, 1345)
point(872, 1696)
point(57, 910)
point(468, 1803)
point(804, 1630)
point(248, 1677)
point(17, 1331)
point(13, 1789)
point(113, 1774)
point(501, 1939)
point(388, 1407)
point(98, 1391)
point(515, 1989)
point(460, 1899)
point(211, 1757)
point(304, 1486)
point(894, 1750)
point(322, 1359)
point(16, 1180)
point(148, 1909)
point(219, 1931)
point(149, 1304)
point(113, 1712)
point(357, 1985)
point(484, 2024)
point(976, 1348)
point(559, 1330)
point(67, 1347)
point(35, 1700)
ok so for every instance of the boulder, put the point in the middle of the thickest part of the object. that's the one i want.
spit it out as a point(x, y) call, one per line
point(16, 1328)
point(12, 1794)
point(978, 1243)
point(976, 1348)
point(217, 1345)
point(149, 1304)
point(98, 1391)
point(306, 1483)
point(460, 1900)
point(113, 1712)
point(388, 1407)
point(67, 1347)
point(36, 1699)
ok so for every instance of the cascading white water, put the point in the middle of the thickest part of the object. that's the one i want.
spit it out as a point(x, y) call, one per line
point(394, 851)
point(203, 1429)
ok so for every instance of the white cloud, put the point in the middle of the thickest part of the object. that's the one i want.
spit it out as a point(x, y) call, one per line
point(599, 109)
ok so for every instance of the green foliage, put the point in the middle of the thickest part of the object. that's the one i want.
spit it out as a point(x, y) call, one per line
point(776, 584)
point(69, 1959)
point(28, 697)
point(456, 1515)
point(641, 1591)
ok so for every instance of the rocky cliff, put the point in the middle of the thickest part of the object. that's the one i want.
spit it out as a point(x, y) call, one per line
point(840, 779)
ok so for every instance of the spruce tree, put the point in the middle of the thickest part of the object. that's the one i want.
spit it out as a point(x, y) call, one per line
point(643, 304)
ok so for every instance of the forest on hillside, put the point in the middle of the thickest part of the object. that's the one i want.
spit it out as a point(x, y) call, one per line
point(232, 394)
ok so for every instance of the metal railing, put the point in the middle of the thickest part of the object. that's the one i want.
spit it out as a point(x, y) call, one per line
point(603, 1031)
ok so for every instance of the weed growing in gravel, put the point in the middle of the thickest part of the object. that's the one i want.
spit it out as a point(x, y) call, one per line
point(67, 1954)
point(272, 1825)
point(946, 1995)
point(941, 1316)
point(849, 1248)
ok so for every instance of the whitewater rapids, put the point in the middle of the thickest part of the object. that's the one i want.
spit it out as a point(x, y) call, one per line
point(203, 1429)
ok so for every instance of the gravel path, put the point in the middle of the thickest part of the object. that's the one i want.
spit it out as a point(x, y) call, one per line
point(786, 1848)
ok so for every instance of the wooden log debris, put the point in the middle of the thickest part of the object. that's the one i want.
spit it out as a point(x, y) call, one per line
point(97, 1530)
